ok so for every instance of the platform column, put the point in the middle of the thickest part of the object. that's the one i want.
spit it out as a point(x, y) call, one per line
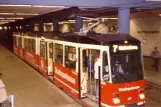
point(41, 27)
point(78, 23)
point(31, 27)
point(55, 25)
point(124, 20)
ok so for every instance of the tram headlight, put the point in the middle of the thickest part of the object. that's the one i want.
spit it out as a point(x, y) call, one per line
point(116, 100)
point(142, 96)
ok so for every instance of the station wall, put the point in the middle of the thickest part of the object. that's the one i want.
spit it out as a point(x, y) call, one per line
point(148, 31)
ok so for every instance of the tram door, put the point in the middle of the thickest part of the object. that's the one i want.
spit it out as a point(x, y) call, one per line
point(88, 81)
point(50, 59)
point(83, 73)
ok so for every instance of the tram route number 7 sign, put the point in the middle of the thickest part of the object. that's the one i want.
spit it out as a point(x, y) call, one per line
point(124, 48)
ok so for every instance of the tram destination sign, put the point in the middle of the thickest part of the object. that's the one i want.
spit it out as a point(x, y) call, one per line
point(122, 48)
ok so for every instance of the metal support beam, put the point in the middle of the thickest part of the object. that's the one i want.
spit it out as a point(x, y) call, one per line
point(41, 27)
point(55, 25)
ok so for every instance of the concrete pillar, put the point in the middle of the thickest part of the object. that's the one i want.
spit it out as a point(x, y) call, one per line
point(41, 27)
point(124, 20)
point(31, 27)
point(78, 23)
point(55, 25)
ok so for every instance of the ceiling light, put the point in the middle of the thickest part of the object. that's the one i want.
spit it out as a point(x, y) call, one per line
point(0, 27)
point(48, 6)
point(7, 20)
point(27, 14)
point(15, 18)
point(109, 18)
point(2, 18)
point(49, 23)
point(15, 5)
point(71, 20)
point(3, 22)
point(5, 27)
point(159, 14)
point(6, 13)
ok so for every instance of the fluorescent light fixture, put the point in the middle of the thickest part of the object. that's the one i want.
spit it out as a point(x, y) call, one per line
point(49, 23)
point(48, 6)
point(159, 14)
point(2, 18)
point(87, 20)
point(7, 20)
point(0, 27)
point(110, 18)
point(5, 5)
point(9, 27)
point(15, 18)
point(71, 20)
point(16, 27)
point(31, 14)
point(5, 27)
point(36, 24)
point(6, 13)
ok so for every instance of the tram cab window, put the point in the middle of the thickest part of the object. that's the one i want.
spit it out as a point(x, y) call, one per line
point(26, 44)
point(42, 49)
point(33, 45)
point(58, 55)
point(70, 57)
point(105, 69)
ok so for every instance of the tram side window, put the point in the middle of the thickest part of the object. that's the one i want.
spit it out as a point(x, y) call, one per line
point(29, 45)
point(42, 49)
point(70, 57)
point(14, 40)
point(50, 50)
point(20, 42)
point(105, 70)
point(26, 44)
point(58, 54)
point(33, 45)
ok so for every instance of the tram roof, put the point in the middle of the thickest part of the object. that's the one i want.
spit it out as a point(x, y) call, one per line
point(91, 38)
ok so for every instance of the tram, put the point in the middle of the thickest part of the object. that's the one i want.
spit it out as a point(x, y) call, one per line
point(101, 70)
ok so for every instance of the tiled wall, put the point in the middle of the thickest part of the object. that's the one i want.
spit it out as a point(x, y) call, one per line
point(149, 40)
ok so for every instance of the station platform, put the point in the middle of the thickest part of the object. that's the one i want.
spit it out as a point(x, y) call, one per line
point(150, 74)
point(29, 88)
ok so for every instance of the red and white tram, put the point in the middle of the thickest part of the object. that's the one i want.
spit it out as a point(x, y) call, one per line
point(101, 70)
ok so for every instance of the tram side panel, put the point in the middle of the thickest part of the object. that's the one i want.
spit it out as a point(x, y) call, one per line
point(15, 46)
point(30, 55)
point(66, 79)
point(21, 47)
point(42, 65)
point(65, 75)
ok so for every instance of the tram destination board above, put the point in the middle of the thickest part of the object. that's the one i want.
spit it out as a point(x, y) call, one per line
point(120, 48)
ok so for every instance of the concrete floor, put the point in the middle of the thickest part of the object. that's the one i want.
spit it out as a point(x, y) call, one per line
point(29, 88)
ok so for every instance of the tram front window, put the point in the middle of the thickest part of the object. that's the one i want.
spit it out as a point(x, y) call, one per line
point(126, 68)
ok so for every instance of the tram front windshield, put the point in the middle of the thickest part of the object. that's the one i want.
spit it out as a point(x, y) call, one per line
point(126, 67)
